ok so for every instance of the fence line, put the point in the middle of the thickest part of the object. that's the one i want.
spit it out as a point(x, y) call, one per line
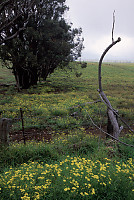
point(5, 126)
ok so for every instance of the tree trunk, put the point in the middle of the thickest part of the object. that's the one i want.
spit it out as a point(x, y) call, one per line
point(112, 126)
point(25, 77)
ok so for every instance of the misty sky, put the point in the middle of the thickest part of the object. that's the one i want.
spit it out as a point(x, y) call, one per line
point(95, 17)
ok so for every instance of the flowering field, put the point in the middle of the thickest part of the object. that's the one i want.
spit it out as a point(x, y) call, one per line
point(71, 178)
point(75, 164)
point(52, 104)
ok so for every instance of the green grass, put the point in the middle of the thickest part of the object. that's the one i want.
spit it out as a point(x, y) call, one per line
point(51, 104)
point(73, 178)
point(6, 76)
point(74, 165)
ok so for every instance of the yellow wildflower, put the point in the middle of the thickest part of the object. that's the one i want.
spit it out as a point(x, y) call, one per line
point(93, 191)
point(66, 189)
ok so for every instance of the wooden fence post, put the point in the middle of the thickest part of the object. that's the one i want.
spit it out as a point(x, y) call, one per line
point(5, 124)
point(22, 120)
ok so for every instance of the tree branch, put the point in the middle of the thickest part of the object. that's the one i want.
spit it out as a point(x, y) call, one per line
point(3, 4)
point(113, 27)
point(12, 36)
point(101, 59)
point(112, 117)
point(21, 13)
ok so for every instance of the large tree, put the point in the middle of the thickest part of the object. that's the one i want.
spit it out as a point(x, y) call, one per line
point(46, 42)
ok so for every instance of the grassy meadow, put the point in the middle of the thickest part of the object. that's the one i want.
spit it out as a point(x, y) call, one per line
point(75, 164)
point(51, 104)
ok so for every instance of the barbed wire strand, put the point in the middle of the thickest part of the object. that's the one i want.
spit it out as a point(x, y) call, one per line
point(108, 133)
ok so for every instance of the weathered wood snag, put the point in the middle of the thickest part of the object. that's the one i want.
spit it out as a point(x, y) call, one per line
point(113, 127)
point(4, 131)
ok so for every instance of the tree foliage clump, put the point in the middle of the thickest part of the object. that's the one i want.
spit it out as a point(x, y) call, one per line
point(35, 38)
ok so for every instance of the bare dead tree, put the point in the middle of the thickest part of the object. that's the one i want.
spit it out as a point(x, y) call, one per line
point(113, 125)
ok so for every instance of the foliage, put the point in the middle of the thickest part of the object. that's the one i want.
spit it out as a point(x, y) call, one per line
point(9, 16)
point(72, 178)
point(67, 171)
point(46, 43)
point(84, 65)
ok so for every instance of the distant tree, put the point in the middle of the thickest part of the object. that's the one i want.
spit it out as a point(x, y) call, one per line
point(46, 42)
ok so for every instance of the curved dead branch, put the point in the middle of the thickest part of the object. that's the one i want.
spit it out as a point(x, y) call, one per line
point(111, 115)
point(101, 59)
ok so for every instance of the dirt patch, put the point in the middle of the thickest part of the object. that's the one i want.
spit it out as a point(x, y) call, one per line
point(44, 135)
point(96, 132)
point(30, 134)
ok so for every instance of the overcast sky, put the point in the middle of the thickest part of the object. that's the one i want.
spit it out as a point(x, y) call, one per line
point(95, 17)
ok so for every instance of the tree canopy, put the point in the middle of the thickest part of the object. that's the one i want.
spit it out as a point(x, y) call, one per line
point(35, 38)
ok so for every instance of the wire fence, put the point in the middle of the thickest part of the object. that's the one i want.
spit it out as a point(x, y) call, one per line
point(16, 130)
point(33, 127)
point(27, 125)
